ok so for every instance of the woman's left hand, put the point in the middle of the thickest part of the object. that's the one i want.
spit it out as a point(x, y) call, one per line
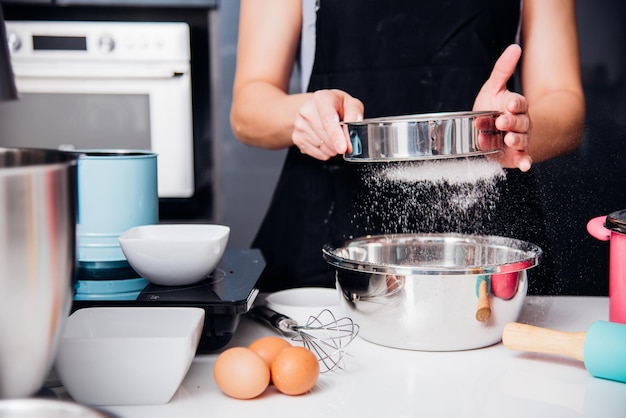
point(514, 120)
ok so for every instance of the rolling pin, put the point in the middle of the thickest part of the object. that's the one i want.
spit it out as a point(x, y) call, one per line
point(602, 348)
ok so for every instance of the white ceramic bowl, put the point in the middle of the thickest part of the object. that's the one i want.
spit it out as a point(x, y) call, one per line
point(174, 254)
point(48, 408)
point(303, 302)
point(128, 355)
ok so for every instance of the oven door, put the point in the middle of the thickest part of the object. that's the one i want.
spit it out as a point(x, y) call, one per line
point(107, 104)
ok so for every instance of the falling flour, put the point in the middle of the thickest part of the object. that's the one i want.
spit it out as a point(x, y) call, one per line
point(447, 195)
point(451, 171)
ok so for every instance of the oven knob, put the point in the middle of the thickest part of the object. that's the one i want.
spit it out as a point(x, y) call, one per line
point(14, 42)
point(106, 44)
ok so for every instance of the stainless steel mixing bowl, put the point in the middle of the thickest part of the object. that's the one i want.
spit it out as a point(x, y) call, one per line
point(425, 136)
point(420, 291)
point(37, 262)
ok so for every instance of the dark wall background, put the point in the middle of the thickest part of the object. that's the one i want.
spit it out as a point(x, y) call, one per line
point(574, 188)
point(591, 181)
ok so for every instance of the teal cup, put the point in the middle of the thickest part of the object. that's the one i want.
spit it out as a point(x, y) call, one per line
point(117, 190)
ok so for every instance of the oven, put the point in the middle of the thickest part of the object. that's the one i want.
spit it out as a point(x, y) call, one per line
point(117, 78)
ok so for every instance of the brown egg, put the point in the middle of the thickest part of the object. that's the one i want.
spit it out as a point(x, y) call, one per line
point(269, 347)
point(241, 373)
point(295, 370)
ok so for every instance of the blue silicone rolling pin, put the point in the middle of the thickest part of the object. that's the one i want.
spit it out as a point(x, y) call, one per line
point(602, 347)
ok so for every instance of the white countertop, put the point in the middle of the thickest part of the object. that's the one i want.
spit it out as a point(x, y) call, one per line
point(380, 381)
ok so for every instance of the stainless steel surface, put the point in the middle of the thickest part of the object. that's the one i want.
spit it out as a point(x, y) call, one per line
point(420, 291)
point(616, 221)
point(325, 335)
point(37, 262)
point(425, 136)
point(48, 408)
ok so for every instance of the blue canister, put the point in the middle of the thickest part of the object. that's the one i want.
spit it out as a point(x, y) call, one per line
point(117, 190)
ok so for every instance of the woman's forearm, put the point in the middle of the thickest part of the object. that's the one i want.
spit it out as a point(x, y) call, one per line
point(551, 77)
point(557, 124)
point(262, 112)
point(263, 115)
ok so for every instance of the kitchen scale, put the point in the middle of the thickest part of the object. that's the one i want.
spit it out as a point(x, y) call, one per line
point(227, 293)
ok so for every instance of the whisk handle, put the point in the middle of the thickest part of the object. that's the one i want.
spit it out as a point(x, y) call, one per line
point(273, 318)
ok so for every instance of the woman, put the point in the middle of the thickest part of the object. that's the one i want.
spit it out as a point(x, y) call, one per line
point(376, 59)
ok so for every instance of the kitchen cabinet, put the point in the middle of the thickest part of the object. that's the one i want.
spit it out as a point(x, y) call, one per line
point(379, 381)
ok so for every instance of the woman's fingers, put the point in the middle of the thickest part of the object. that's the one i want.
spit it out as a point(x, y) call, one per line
point(318, 130)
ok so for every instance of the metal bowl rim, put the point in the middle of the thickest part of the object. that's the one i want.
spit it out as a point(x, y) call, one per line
point(422, 117)
point(533, 258)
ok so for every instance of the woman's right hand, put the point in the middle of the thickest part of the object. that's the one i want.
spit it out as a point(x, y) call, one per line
point(318, 131)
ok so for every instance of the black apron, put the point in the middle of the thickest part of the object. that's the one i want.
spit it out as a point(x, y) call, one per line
point(399, 57)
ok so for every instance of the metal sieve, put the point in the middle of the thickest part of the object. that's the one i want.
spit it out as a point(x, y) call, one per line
point(424, 136)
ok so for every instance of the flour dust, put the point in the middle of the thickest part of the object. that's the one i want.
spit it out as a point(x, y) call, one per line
point(447, 195)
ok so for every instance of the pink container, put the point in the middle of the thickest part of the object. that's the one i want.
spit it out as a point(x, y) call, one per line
point(613, 228)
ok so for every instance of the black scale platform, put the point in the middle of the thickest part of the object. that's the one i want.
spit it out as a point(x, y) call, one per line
point(225, 295)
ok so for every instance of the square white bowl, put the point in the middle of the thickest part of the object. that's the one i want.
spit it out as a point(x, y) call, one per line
point(174, 254)
point(128, 355)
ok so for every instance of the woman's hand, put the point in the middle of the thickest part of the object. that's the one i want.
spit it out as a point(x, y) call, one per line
point(515, 120)
point(317, 128)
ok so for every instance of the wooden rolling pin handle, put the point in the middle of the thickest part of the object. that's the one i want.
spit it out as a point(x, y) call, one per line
point(483, 311)
point(524, 337)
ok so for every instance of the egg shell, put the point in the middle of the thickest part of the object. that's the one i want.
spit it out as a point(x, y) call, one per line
point(269, 347)
point(241, 373)
point(295, 370)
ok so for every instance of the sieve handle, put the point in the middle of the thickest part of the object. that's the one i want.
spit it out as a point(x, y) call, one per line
point(271, 317)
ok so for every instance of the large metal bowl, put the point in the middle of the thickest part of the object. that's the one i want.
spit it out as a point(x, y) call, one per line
point(425, 136)
point(420, 291)
point(38, 190)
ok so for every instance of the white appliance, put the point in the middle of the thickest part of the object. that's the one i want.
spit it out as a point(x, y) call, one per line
point(104, 85)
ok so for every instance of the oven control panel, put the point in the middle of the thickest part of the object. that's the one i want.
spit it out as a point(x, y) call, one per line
point(127, 41)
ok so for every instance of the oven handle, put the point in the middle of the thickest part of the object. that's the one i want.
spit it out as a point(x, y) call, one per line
point(137, 71)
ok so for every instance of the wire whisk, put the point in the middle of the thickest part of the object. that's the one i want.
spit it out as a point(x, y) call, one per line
point(325, 335)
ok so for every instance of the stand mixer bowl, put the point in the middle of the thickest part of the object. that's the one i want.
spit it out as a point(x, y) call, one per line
point(37, 263)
